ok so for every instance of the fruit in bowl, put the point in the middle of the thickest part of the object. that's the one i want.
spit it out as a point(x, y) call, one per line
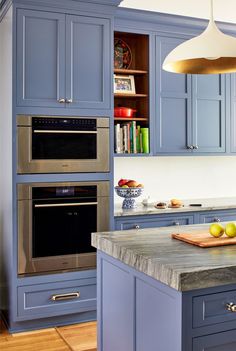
point(129, 189)
point(129, 183)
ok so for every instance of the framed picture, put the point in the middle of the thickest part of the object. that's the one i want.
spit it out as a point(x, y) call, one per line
point(124, 84)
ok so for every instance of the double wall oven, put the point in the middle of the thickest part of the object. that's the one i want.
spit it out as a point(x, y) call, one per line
point(55, 220)
point(59, 145)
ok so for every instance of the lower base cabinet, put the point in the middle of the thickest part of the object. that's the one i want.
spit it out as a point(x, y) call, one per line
point(56, 299)
point(182, 218)
point(139, 313)
point(225, 341)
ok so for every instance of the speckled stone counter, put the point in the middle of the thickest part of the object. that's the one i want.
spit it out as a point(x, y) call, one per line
point(179, 265)
point(207, 205)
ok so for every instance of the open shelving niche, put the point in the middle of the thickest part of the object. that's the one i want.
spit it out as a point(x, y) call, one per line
point(139, 68)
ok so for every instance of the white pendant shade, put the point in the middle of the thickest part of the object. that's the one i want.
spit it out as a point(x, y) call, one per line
point(210, 52)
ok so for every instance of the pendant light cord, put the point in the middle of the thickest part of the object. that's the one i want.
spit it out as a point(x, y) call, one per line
point(211, 11)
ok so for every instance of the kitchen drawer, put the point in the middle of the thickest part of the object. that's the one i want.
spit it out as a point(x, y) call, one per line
point(211, 309)
point(225, 341)
point(218, 216)
point(151, 222)
point(46, 300)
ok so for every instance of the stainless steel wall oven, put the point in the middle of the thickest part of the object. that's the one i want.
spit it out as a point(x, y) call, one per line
point(55, 222)
point(62, 144)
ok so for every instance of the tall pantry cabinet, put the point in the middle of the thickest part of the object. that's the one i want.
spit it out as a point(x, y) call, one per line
point(56, 60)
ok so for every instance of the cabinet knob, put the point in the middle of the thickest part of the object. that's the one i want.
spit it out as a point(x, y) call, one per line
point(62, 101)
point(176, 223)
point(195, 147)
point(231, 307)
point(136, 226)
point(216, 219)
point(69, 101)
point(190, 147)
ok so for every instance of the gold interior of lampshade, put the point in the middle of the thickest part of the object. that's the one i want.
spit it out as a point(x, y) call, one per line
point(203, 66)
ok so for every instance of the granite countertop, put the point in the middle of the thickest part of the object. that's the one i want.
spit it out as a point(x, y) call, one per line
point(207, 205)
point(179, 265)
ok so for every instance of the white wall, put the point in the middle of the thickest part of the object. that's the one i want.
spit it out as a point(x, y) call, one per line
point(223, 10)
point(182, 177)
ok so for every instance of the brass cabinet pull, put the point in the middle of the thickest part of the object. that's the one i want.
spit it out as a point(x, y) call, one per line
point(38, 131)
point(69, 204)
point(231, 307)
point(69, 296)
point(62, 101)
point(216, 219)
point(136, 226)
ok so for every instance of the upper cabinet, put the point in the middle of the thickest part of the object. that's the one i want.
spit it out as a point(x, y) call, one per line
point(190, 109)
point(233, 113)
point(63, 60)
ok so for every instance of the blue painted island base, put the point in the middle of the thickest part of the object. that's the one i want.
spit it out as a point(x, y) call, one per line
point(139, 313)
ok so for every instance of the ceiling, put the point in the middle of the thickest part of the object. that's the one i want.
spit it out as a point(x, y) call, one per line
point(224, 10)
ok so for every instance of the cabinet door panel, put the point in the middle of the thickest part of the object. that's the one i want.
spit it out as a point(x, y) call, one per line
point(212, 217)
point(152, 222)
point(88, 62)
point(40, 58)
point(209, 113)
point(233, 113)
point(225, 341)
point(173, 120)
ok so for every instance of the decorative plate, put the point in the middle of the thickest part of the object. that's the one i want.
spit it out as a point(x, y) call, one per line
point(122, 54)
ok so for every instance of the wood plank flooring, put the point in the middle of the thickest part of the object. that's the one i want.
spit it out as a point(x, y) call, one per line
point(78, 337)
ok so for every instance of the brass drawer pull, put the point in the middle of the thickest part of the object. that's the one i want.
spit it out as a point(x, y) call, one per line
point(69, 296)
point(231, 307)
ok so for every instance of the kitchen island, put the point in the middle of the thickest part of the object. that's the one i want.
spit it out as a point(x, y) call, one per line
point(157, 293)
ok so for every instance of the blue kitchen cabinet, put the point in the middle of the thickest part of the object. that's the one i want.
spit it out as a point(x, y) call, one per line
point(151, 221)
point(233, 113)
point(63, 60)
point(208, 113)
point(225, 341)
point(217, 216)
point(88, 66)
point(190, 109)
point(173, 104)
point(40, 58)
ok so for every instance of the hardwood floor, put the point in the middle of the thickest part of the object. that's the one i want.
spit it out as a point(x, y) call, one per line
point(78, 337)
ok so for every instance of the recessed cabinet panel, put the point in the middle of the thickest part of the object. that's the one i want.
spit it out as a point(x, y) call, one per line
point(233, 113)
point(170, 82)
point(173, 125)
point(173, 109)
point(88, 66)
point(225, 341)
point(208, 125)
point(208, 85)
point(40, 58)
point(208, 103)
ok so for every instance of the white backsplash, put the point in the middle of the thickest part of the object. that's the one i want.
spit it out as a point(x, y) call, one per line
point(180, 177)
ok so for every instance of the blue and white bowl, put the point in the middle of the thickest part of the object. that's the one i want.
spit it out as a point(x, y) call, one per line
point(129, 195)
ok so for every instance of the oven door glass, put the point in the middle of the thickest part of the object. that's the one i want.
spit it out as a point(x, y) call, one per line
point(64, 145)
point(63, 228)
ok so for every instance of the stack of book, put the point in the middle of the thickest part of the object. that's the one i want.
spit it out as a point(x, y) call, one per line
point(131, 138)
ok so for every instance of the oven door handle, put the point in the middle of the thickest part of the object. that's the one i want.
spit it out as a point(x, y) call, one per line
point(38, 131)
point(66, 204)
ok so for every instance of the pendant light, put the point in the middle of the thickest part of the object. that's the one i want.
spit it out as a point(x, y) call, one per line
point(210, 52)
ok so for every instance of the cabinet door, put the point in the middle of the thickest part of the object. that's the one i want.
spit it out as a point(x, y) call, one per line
point(225, 341)
point(208, 102)
point(217, 216)
point(173, 104)
point(153, 222)
point(88, 62)
point(40, 58)
point(233, 113)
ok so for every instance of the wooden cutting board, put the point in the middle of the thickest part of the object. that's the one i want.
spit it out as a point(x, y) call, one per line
point(204, 239)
